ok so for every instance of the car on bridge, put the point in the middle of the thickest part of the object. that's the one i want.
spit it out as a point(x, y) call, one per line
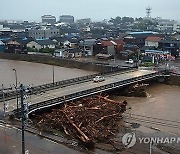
point(99, 78)
point(130, 61)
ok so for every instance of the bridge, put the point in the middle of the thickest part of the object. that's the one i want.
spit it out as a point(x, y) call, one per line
point(48, 95)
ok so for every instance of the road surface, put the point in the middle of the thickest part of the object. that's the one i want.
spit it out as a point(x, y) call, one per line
point(10, 143)
point(77, 88)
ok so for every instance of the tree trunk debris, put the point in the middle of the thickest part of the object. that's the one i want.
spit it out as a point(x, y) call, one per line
point(89, 119)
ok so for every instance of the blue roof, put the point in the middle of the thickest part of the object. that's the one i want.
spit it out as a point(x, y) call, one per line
point(157, 51)
point(143, 32)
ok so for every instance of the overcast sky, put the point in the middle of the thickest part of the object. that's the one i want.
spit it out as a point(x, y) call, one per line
point(95, 9)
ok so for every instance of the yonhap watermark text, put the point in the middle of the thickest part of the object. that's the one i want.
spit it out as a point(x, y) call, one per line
point(130, 139)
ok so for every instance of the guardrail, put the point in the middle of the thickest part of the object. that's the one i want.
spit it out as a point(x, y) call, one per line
point(60, 84)
point(92, 91)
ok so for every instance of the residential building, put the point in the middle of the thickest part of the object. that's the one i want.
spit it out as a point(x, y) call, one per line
point(66, 19)
point(14, 46)
point(176, 27)
point(166, 25)
point(173, 46)
point(104, 47)
point(72, 53)
point(73, 43)
point(43, 33)
point(41, 44)
point(119, 45)
point(153, 41)
point(137, 38)
point(87, 46)
point(49, 19)
point(61, 41)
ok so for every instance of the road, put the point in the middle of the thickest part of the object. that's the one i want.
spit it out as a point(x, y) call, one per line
point(78, 87)
point(10, 143)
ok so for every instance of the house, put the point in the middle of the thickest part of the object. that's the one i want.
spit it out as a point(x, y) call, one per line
point(41, 44)
point(13, 46)
point(105, 47)
point(61, 41)
point(119, 45)
point(87, 46)
point(153, 41)
point(173, 46)
point(137, 38)
point(2, 46)
point(72, 53)
point(68, 53)
point(73, 43)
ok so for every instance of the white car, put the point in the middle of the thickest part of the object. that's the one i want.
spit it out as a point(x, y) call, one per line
point(98, 79)
point(130, 61)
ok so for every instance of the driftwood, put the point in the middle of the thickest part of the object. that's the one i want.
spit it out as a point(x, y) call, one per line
point(89, 119)
point(84, 137)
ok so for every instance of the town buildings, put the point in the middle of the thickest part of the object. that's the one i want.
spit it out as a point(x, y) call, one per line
point(66, 19)
point(49, 19)
point(71, 39)
point(43, 32)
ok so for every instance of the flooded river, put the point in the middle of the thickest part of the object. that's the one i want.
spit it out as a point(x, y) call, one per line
point(160, 110)
point(35, 73)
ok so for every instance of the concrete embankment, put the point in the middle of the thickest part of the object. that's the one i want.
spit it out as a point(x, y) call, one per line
point(174, 80)
point(57, 61)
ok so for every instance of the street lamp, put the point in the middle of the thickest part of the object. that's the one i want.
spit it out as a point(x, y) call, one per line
point(16, 88)
point(53, 74)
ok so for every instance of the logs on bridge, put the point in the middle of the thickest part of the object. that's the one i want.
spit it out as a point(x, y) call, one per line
point(89, 119)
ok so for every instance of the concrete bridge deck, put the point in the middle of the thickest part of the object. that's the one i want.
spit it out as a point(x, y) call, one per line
point(112, 80)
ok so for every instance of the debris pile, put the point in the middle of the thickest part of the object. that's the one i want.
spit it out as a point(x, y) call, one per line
point(136, 90)
point(90, 119)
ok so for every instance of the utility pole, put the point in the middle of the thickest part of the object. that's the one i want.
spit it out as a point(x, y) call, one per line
point(16, 90)
point(24, 112)
point(22, 116)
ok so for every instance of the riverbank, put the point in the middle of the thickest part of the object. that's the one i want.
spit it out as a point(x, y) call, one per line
point(70, 63)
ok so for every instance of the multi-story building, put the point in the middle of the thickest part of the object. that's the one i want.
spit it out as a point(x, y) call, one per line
point(168, 25)
point(84, 21)
point(43, 33)
point(176, 27)
point(48, 19)
point(66, 19)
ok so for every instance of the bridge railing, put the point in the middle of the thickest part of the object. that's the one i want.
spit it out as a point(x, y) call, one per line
point(80, 94)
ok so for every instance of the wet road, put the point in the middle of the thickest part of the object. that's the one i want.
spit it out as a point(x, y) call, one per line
point(10, 143)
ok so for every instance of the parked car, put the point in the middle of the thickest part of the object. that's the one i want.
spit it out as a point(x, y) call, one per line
point(130, 61)
point(98, 79)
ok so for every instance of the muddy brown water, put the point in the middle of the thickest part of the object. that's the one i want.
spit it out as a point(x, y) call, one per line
point(160, 110)
point(34, 73)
